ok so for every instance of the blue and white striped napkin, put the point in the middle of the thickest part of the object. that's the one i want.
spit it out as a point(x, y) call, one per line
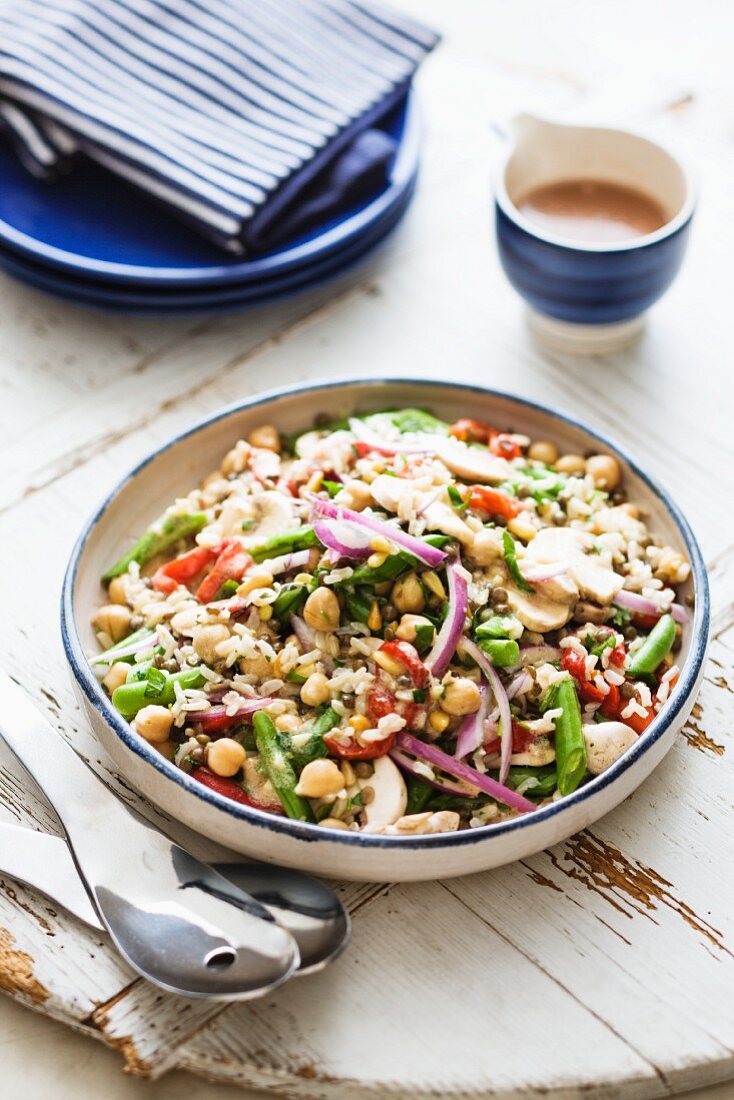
point(247, 117)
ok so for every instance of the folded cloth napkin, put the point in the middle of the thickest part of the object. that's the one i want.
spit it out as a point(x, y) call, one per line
point(250, 118)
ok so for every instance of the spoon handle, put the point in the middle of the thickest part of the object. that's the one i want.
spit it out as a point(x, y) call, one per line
point(149, 892)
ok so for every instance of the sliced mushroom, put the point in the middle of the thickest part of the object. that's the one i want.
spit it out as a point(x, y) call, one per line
point(605, 743)
point(394, 494)
point(390, 796)
point(273, 515)
point(442, 517)
point(473, 463)
point(539, 612)
point(591, 572)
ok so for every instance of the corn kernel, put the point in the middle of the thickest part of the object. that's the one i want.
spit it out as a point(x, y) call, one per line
point(374, 619)
point(388, 663)
point(432, 581)
point(359, 723)
point(303, 578)
point(254, 581)
point(438, 720)
point(380, 544)
point(522, 528)
point(265, 613)
point(314, 482)
point(376, 560)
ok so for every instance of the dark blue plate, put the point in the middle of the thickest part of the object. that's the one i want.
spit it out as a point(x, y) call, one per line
point(91, 224)
point(182, 302)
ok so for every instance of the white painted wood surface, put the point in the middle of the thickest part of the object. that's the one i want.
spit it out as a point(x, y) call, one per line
point(605, 966)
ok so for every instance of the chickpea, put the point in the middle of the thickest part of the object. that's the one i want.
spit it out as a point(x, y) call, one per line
point(407, 593)
point(184, 621)
point(116, 675)
point(461, 697)
point(355, 495)
point(154, 723)
point(265, 436)
point(319, 778)
point(321, 610)
point(225, 757)
point(113, 619)
point(605, 471)
point(117, 590)
point(573, 465)
point(207, 638)
point(332, 823)
point(288, 723)
point(316, 690)
point(409, 625)
point(543, 451)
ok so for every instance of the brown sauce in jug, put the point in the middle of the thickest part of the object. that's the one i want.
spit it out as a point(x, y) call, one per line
point(595, 211)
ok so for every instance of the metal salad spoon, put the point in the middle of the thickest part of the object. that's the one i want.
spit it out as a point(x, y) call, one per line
point(174, 919)
point(310, 911)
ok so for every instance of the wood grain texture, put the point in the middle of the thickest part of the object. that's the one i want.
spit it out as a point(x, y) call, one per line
point(604, 966)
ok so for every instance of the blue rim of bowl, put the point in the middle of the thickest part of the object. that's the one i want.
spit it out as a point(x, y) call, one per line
point(403, 167)
point(690, 673)
point(678, 222)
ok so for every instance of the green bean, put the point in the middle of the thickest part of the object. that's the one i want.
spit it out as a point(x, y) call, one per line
point(278, 769)
point(393, 565)
point(129, 698)
point(110, 655)
point(358, 606)
point(654, 649)
point(289, 601)
point(569, 739)
point(539, 782)
point(510, 555)
point(303, 539)
point(502, 652)
point(160, 536)
point(314, 747)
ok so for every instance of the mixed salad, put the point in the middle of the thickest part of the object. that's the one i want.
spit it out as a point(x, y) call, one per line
point(395, 625)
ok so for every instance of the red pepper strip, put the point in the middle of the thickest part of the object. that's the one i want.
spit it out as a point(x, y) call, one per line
point(231, 565)
point(354, 751)
point(504, 446)
point(381, 702)
point(610, 704)
point(229, 789)
point(493, 502)
point(472, 431)
point(637, 722)
point(407, 656)
point(522, 739)
point(183, 569)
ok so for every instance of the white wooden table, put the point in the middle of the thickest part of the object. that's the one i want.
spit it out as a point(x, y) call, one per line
point(604, 967)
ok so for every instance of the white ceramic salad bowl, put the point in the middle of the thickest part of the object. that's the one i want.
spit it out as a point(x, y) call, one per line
point(183, 462)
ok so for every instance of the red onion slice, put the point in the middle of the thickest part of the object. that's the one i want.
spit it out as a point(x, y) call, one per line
point(446, 763)
point(299, 559)
point(463, 790)
point(470, 732)
point(470, 647)
point(343, 538)
point(216, 715)
point(383, 446)
point(140, 646)
point(521, 683)
point(444, 647)
point(427, 554)
point(643, 605)
point(304, 633)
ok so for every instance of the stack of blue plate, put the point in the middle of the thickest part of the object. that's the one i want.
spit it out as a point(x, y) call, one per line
point(92, 238)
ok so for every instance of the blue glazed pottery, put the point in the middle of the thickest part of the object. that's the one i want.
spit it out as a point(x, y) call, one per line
point(589, 296)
